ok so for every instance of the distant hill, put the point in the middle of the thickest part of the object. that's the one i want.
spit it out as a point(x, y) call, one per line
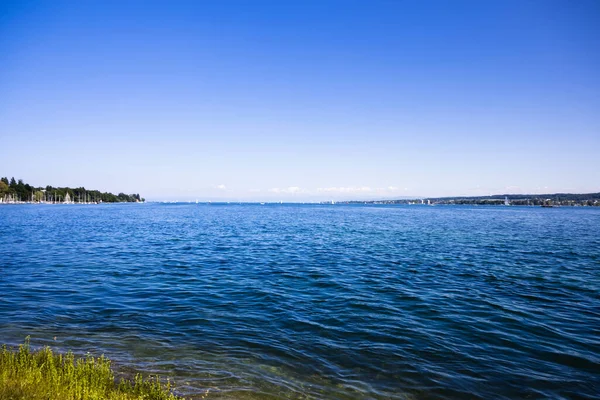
point(554, 199)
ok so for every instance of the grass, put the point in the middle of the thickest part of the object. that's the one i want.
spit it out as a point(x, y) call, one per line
point(43, 375)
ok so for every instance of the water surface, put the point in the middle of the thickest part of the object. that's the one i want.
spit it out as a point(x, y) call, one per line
point(314, 301)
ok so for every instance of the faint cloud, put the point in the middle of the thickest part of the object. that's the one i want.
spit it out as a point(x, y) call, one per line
point(289, 190)
point(351, 189)
point(543, 189)
point(221, 187)
point(394, 189)
point(361, 191)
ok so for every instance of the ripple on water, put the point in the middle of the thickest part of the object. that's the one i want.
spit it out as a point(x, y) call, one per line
point(310, 301)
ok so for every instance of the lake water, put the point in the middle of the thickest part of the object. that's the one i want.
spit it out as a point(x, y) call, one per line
point(314, 301)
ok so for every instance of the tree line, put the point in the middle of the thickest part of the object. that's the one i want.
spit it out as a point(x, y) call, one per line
point(554, 199)
point(16, 191)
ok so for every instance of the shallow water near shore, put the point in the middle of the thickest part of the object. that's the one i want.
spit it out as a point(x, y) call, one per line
point(314, 301)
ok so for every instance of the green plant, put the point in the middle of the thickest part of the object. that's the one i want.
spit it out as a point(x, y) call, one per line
point(43, 375)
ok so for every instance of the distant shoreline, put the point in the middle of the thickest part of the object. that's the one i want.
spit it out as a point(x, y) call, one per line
point(17, 192)
point(546, 200)
point(25, 203)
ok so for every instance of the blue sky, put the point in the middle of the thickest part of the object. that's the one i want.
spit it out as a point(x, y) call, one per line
point(295, 101)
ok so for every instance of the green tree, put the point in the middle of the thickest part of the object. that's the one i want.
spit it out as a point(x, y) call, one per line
point(19, 190)
point(3, 188)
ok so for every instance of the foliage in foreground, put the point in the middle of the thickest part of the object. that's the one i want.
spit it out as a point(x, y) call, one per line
point(37, 375)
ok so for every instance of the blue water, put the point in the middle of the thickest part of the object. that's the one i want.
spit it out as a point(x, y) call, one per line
point(314, 301)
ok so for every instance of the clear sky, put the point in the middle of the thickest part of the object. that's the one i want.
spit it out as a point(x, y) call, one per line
point(301, 100)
